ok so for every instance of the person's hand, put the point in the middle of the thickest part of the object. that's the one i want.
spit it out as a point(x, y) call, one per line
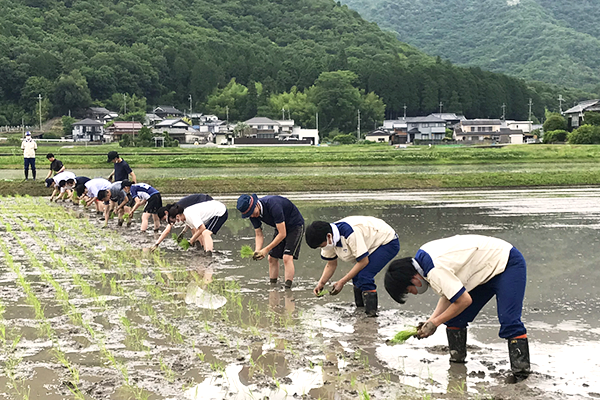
point(180, 236)
point(260, 254)
point(153, 248)
point(336, 288)
point(318, 288)
point(426, 329)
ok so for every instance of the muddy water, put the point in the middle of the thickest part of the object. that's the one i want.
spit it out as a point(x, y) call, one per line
point(221, 331)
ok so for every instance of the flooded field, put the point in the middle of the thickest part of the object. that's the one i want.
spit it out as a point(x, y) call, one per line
point(90, 313)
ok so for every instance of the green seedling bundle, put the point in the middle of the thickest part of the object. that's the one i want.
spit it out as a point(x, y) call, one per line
point(246, 251)
point(404, 335)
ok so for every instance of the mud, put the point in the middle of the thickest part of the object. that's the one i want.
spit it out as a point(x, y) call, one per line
point(131, 324)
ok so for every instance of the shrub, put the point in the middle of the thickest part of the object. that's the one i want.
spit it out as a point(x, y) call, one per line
point(51, 136)
point(555, 122)
point(345, 139)
point(586, 134)
point(555, 136)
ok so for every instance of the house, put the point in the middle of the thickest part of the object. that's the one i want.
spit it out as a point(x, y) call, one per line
point(575, 115)
point(378, 136)
point(182, 131)
point(398, 129)
point(263, 128)
point(286, 126)
point(152, 119)
point(525, 126)
point(425, 128)
point(167, 112)
point(115, 132)
point(451, 118)
point(101, 114)
point(508, 136)
point(311, 135)
point(88, 130)
point(476, 129)
point(210, 124)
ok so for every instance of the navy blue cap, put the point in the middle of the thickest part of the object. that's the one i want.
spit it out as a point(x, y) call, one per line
point(246, 204)
point(49, 182)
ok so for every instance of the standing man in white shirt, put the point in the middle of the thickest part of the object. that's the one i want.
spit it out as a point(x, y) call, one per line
point(466, 271)
point(29, 146)
point(368, 242)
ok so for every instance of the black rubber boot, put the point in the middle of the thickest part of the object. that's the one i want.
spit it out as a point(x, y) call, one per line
point(358, 297)
point(457, 344)
point(288, 284)
point(370, 301)
point(273, 281)
point(26, 174)
point(518, 351)
point(33, 172)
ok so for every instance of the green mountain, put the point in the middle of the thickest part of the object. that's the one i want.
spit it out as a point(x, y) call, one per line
point(553, 41)
point(81, 52)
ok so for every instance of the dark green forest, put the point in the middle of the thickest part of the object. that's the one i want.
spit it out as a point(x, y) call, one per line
point(553, 41)
point(77, 53)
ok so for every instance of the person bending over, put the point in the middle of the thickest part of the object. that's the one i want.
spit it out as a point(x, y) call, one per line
point(466, 271)
point(368, 242)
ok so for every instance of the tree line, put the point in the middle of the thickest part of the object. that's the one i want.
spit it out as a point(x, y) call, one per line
point(245, 57)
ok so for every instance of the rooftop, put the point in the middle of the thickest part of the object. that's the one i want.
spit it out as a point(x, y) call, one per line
point(581, 107)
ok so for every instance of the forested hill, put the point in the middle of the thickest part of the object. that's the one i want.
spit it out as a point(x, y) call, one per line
point(75, 52)
point(553, 41)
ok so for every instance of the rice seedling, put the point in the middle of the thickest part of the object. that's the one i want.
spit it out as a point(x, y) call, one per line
point(404, 335)
point(246, 251)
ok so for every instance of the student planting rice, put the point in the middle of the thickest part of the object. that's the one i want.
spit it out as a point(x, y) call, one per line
point(71, 184)
point(142, 193)
point(204, 219)
point(369, 242)
point(466, 271)
point(88, 192)
point(187, 201)
point(283, 215)
point(60, 191)
point(115, 200)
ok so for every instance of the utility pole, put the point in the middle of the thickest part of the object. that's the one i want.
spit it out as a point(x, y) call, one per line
point(190, 98)
point(227, 111)
point(503, 111)
point(560, 100)
point(283, 113)
point(124, 103)
point(404, 111)
point(317, 122)
point(40, 102)
point(358, 127)
point(441, 106)
point(530, 105)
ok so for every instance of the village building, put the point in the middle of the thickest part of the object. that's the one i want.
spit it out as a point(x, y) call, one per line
point(167, 112)
point(117, 129)
point(178, 129)
point(575, 115)
point(88, 130)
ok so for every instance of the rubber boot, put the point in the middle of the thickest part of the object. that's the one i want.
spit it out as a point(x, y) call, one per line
point(457, 344)
point(358, 297)
point(27, 174)
point(288, 284)
point(370, 301)
point(518, 351)
point(33, 172)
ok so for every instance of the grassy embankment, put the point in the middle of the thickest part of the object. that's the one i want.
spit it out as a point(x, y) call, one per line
point(554, 157)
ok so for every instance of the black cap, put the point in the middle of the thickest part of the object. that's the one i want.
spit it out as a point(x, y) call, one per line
point(112, 155)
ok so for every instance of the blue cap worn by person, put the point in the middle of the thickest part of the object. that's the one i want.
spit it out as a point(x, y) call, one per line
point(246, 204)
point(28, 133)
point(49, 182)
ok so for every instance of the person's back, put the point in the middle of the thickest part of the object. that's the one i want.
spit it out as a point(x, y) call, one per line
point(192, 199)
point(277, 209)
